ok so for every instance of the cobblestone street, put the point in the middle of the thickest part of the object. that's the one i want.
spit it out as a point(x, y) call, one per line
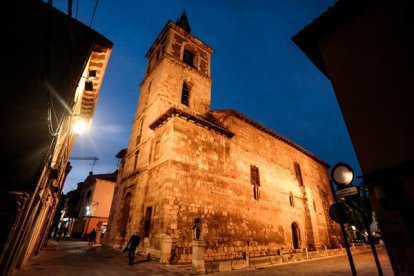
point(77, 258)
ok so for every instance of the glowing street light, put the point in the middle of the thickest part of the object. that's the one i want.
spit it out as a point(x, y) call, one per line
point(342, 174)
point(80, 126)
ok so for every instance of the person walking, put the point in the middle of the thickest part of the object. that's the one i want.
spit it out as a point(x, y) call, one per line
point(92, 237)
point(132, 246)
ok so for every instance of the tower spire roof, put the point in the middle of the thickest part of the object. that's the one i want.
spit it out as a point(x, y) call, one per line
point(183, 22)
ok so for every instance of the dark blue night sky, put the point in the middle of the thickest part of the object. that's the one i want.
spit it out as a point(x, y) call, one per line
point(256, 69)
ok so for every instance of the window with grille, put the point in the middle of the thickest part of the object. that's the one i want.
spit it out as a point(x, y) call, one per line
point(185, 95)
point(188, 57)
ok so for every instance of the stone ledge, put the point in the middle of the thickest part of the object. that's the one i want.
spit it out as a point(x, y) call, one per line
point(263, 261)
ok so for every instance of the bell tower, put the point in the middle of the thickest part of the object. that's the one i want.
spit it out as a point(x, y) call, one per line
point(178, 71)
point(177, 75)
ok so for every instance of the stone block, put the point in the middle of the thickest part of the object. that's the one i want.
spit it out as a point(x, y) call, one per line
point(239, 264)
point(166, 244)
point(224, 266)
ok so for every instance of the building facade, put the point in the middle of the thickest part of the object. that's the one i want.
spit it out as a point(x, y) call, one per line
point(59, 86)
point(95, 199)
point(250, 190)
point(365, 49)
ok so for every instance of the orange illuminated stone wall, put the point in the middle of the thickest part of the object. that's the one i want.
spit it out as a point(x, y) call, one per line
point(186, 162)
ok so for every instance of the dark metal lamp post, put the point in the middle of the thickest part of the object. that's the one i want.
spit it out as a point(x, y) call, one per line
point(342, 175)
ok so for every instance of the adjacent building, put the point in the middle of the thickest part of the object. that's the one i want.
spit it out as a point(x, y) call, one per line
point(51, 73)
point(366, 50)
point(95, 198)
point(190, 172)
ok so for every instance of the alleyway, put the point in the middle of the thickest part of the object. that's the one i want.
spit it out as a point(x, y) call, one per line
point(77, 258)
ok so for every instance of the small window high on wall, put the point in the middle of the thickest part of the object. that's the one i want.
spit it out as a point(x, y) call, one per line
point(298, 173)
point(188, 57)
point(185, 95)
point(136, 159)
point(255, 180)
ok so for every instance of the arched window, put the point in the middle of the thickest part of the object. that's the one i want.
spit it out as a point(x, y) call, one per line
point(185, 95)
point(188, 57)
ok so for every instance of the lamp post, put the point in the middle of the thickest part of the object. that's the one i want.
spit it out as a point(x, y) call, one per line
point(342, 175)
point(368, 229)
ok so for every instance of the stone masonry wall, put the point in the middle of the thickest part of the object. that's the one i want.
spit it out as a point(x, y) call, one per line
point(182, 171)
point(207, 175)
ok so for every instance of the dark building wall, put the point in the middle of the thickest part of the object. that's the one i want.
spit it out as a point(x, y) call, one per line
point(43, 56)
point(369, 60)
point(366, 49)
point(43, 59)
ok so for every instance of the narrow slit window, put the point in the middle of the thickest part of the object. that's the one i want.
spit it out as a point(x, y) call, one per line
point(157, 150)
point(255, 181)
point(136, 159)
point(298, 173)
point(291, 199)
point(185, 95)
point(138, 139)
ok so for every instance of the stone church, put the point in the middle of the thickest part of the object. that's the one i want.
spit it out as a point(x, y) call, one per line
point(249, 189)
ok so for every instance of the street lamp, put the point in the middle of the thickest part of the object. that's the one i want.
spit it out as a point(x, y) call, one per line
point(80, 126)
point(88, 210)
point(342, 174)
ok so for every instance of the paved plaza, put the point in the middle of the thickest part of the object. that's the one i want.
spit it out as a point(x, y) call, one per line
point(77, 258)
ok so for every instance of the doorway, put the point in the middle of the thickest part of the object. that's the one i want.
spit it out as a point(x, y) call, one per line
point(295, 236)
point(125, 215)
point(147, 221)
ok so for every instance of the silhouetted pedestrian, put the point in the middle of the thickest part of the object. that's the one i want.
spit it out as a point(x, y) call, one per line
point(92, 237)
point(132, 246)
